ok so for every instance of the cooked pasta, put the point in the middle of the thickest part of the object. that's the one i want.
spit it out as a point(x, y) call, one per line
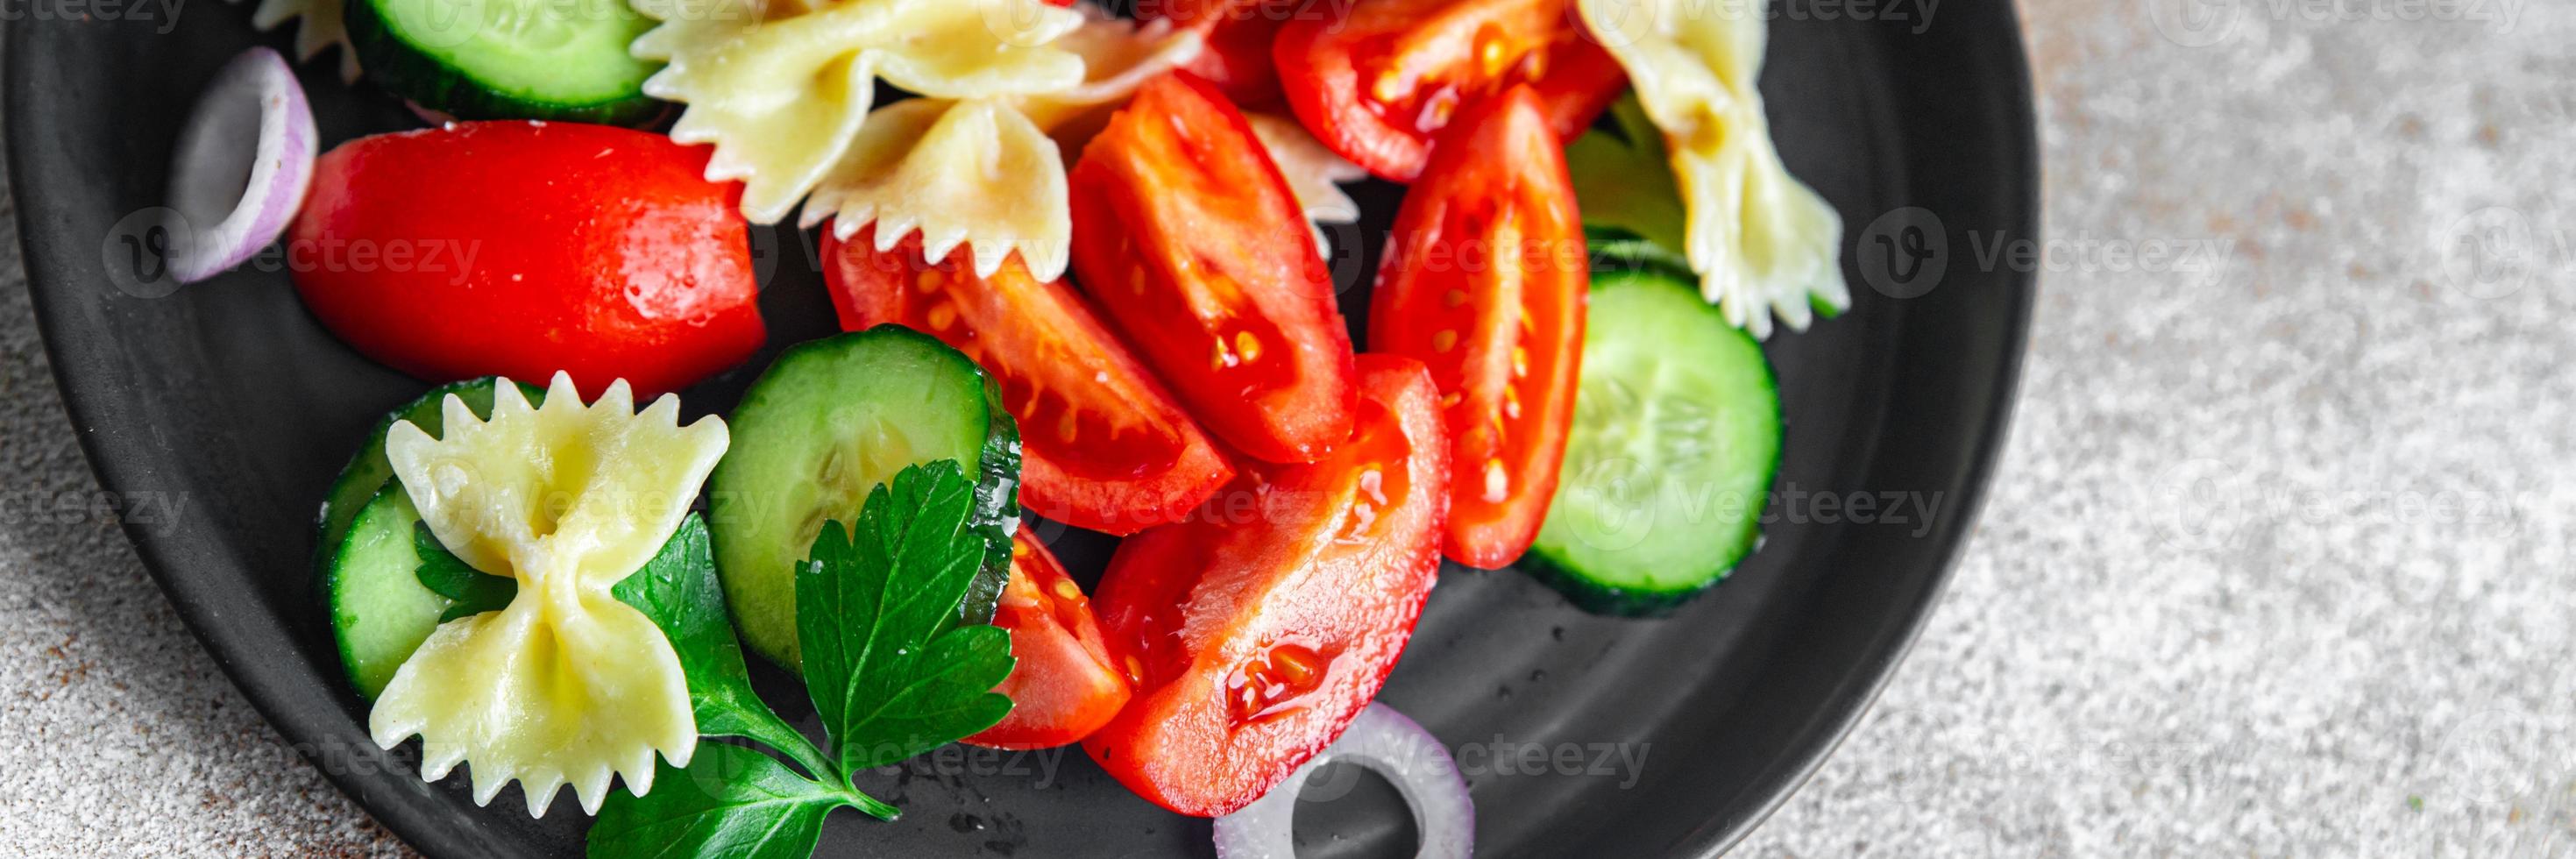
point(321, 28)
point(985, 172)
point(566, 684)
point(1314, 173)
point(782, 90)
point(1763, 243)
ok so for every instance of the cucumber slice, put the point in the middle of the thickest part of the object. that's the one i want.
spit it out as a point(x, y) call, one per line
point(1619, 250)
point(1676, 437)
point(828, 422)
point(369, 471)
point(383, 608)
point(508, 59)
point(380, 613)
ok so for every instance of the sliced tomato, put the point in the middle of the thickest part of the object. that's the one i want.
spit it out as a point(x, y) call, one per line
point(1258, 629)
point(1484, 280)
point(1376, 84)
point(1238, 34)
point(1187, 236)
point(1063, 683)
point(1103, 445)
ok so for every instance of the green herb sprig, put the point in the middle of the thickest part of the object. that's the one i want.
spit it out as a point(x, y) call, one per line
point(892, 671)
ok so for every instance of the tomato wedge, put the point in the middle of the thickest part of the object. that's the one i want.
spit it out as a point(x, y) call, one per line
point(1103, 446)
point(1238, 34)
point(1187, 236)
point(1258, 630)
point(1485, 281)
point(1063, 685)
point(1376, 84)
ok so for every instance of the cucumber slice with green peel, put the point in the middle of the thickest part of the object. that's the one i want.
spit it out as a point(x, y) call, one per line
point(368, 473)
point(1675, 441)
point(825, 424)
point(1615, 249)
point(384, 588)
point(380, 613)
point(508, 59)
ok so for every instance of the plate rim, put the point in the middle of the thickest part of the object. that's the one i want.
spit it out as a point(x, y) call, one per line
point(2017, 97)
point(113, 462)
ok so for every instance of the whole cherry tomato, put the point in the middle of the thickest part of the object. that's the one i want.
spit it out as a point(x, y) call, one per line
point(523, 248)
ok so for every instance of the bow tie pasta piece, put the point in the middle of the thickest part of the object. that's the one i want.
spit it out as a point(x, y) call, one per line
point(1763, 243)
point(973, 172)
point(321, 28)
point(782, 90)
point(985, 172)
point(1118, 55)
point(566, 684)
point(1314, 173)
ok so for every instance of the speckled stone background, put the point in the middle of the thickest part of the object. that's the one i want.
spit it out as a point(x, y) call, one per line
point(2278, 564)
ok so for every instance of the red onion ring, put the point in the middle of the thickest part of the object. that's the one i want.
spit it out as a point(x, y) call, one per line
point(1384, 741)
point(243, 162)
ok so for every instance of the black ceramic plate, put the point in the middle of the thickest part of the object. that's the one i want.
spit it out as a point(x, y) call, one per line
point(228, 408)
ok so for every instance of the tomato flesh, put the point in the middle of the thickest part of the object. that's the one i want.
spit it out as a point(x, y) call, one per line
point(1238, 34)
point(1377, 84)
point(520, 249)
point(1257, 630)
point(1063, 684)
point(1485, 281)
point(1188, 237)
point(1103, 445)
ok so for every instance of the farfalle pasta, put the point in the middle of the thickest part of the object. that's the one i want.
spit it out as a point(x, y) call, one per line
point(783, 88)
point(988, 173)
point(566, 685)
point(320, 27)
point(1314, 173)
point(1763, 243)
point(974, 172)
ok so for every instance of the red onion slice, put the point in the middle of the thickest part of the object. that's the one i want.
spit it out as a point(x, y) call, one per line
point(242, 165)
point(1383, 741)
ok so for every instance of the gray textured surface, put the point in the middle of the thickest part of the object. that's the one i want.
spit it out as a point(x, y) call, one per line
point(2278, 565)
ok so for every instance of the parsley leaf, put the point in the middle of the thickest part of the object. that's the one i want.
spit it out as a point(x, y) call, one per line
point(891, 672)
point(731, 801)
point(679, 592)
point(1623, 181)
point(474, 591)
